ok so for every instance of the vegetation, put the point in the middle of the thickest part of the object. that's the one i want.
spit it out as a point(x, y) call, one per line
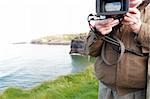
point(58, 38)
point(75, 86)
point(66, 37)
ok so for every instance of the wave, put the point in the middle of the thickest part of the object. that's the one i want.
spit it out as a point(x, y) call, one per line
point(9, 66)
point(6, 71)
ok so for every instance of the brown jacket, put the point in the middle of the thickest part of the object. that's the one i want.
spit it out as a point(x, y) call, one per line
point(130, 73)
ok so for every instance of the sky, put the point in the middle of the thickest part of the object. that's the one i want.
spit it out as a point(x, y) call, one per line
point(22, 20)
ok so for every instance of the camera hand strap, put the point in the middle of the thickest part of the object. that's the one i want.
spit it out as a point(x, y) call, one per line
point(122, 51)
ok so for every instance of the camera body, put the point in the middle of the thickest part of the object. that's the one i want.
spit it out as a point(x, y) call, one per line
point(112, 8)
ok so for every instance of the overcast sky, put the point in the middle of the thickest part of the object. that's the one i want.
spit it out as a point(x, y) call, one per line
point(26, 19)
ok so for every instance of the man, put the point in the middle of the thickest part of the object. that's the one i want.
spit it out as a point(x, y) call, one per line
point(126, 79)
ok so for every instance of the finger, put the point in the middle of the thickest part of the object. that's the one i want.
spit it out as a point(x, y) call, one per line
point(106, 28)
point(114, 23)
point(133, 15)
point(127, 23)
point(124, 23)
point(101, 29)
point(131, 24)
point(104, 22)
point(107, 31)
point(134, 11)
point(129, 19)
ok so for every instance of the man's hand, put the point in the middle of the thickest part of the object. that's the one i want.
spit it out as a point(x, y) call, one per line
point(132, 19)
point(105, 26)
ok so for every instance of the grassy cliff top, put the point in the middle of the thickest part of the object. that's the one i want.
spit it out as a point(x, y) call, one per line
point(65, 36)
point(81, 85)
point(62, 37)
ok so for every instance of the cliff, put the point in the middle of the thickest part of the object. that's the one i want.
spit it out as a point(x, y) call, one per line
point(63, 39)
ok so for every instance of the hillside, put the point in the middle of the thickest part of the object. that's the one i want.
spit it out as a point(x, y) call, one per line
point(62, 39)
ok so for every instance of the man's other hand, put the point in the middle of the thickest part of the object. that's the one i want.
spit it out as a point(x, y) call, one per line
point(105, 26)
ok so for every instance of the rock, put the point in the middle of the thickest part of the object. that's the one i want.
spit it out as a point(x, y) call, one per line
point(78, 46)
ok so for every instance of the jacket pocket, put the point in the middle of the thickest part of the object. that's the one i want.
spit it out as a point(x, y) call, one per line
point(104, 73)
point(133, 72)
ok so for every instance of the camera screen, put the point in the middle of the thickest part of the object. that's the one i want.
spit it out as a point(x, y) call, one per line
point(113, 6)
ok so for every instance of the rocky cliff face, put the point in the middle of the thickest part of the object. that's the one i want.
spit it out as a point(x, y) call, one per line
point(78, 46)
point(77, 42)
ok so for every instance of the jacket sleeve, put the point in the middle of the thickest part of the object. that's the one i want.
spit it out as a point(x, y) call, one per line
point(144, 34)
point(94, 44)
point(144, 37)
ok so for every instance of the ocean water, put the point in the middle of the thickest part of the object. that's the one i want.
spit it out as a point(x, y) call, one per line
point(27, 65)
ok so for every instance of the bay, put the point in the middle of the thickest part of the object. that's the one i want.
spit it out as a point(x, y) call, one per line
point(27, 65)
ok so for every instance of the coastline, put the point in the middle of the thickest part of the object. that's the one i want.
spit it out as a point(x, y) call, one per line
point(62, 39)
point(71, 86)
point(59, 43)
point(53, 43)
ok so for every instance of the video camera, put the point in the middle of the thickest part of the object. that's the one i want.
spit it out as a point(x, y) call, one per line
point(109, 9)
point(112, 8)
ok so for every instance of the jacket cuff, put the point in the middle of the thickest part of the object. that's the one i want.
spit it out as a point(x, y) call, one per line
point(93, 37)
point(93, 44)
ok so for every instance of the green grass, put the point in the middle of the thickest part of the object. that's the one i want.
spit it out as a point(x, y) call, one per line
point(59, 38)
point(66, 37)
point(75, 86)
